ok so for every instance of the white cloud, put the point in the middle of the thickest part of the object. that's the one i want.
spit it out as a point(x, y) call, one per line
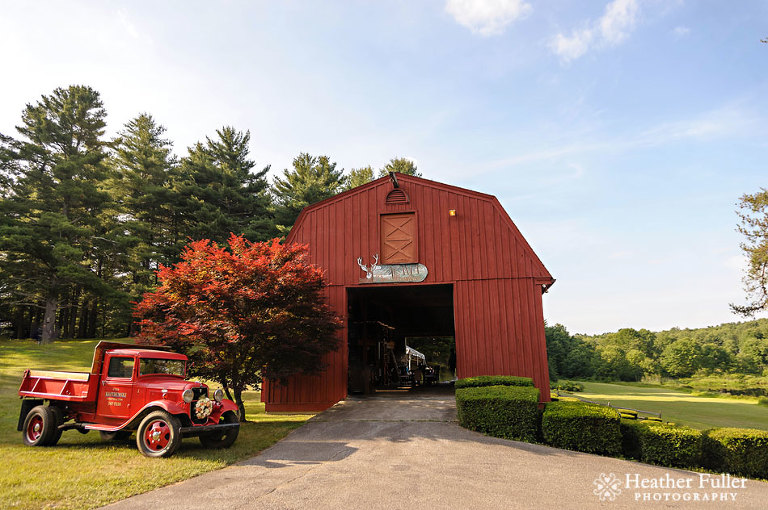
point(613, 27)
point(727, 121)
point(570, 48)
point(487, 17)
point(618, 20)
point(681, 31)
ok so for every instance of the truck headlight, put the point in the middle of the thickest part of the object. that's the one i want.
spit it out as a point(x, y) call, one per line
point(218, 395)
point(188, 396)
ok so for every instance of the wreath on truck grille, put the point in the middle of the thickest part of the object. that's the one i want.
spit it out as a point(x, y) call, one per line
point(203, 408)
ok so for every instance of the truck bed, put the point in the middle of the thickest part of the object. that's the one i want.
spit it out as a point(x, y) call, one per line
point(45, 384)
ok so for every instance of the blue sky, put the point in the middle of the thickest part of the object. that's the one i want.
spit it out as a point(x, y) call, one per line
point(618, 135)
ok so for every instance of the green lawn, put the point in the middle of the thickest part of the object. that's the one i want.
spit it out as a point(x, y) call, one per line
point(84, 472)
point(682, 408)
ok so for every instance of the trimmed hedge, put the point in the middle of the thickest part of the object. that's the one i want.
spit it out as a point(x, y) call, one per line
point(511, 412)
point(630, 439)
point(669, 445)
point(582, 427)
point(493, 380)
point(741, 452)
point(570, 386)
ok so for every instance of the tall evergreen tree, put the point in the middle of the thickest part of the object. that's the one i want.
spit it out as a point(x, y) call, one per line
point(311, 180)
point(223, 195)
point(400, 165)
point(753, 225)
point(49, 218)
point(146, 193)
point(358, 177)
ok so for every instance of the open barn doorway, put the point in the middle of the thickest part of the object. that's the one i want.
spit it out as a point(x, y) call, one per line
point(400, 337)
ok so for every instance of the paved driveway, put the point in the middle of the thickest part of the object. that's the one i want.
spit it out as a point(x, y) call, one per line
point(405, 451)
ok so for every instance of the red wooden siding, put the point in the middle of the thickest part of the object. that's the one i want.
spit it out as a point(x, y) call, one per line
point(498, 333)
point(496, 275)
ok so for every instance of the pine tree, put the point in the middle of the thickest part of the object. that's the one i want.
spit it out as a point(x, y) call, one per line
point(222, 195)
point(312, 179)
point(400, 165)
point(144, 189)
point(49, 218)
point(753, 225)
point(358, 177)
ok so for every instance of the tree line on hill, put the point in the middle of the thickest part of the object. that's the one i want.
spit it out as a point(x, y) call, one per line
point(633, 355)
point(86, 221)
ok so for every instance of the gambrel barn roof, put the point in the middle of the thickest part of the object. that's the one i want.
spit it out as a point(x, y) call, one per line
point(482, 239)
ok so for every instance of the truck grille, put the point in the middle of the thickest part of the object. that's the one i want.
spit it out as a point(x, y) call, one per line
point(199, 393)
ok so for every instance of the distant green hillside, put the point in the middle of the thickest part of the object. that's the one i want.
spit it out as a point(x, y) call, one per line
point(731, 356)
point(682, 408)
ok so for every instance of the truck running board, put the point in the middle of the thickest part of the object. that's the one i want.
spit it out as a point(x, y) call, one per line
point(196, 431)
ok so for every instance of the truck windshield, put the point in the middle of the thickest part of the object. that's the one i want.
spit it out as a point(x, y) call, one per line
point(148, 366)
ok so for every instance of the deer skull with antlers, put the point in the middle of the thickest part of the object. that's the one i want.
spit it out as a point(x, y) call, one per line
point(368, 272)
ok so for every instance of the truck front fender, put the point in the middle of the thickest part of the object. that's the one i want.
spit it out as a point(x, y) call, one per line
point(228, 405)
point(167, 405)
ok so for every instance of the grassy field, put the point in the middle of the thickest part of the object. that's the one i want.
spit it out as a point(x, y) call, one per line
point(682, 408)
point(83, 471)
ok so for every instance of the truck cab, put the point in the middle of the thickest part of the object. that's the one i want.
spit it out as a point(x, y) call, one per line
point(135, 376)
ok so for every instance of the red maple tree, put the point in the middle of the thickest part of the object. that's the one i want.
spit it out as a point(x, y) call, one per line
point(242, 313)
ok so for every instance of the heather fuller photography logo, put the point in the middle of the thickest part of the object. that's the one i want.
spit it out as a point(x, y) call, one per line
point(700, 487)
point(607, 487)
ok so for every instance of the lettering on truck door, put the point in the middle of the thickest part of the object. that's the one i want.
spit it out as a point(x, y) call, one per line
point(116, 388)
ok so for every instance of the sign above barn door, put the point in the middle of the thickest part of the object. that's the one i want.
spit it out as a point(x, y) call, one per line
point(392, 273)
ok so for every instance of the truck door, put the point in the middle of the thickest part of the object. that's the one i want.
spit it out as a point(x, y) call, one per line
point(116, 387)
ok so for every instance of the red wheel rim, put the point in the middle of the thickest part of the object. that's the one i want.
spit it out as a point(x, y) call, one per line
point(157, 435)
point(35, 428)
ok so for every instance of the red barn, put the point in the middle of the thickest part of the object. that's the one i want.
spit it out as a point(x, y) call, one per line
point(408, 257)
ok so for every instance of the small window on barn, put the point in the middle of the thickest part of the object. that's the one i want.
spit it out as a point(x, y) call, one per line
point(397, 196)
point(398, 239)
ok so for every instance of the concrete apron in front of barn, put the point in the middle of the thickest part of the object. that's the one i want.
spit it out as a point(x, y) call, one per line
point(405, 450)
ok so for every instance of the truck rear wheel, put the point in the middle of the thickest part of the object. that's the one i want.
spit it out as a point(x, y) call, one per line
point(159, 434)
point(40, 426)
point(224, 438)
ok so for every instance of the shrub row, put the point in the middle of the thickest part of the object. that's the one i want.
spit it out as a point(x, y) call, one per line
point(570, 386)
point(493, 380)
point(511, 412)
point(742, 452)
point(582, 427)
point(666, 445)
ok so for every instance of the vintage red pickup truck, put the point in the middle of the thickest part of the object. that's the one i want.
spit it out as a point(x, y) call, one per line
point(129, 388)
